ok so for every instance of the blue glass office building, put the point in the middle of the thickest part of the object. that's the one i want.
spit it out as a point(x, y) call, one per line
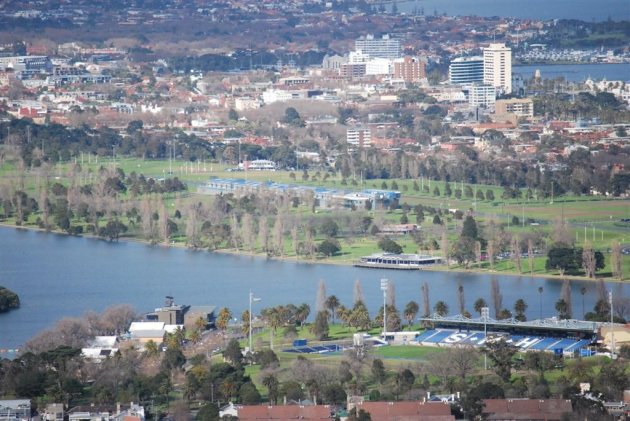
point(466, 70)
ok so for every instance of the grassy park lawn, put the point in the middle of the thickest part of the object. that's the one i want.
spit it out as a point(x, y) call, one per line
point(596, 219)
point(405, 352)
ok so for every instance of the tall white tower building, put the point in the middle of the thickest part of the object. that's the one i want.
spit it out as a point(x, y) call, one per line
point(497, 67)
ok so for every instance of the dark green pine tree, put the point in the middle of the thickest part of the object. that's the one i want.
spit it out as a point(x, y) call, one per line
point(469, 228)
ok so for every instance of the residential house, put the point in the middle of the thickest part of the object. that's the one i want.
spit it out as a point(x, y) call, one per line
point(406, 410)
point(284, 412)
point(526, 409)
point(15, 409)
point(53, 412)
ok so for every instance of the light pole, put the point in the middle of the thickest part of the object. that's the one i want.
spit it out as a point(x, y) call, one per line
point(251, 300)
point(384, 285)
point(485, 311)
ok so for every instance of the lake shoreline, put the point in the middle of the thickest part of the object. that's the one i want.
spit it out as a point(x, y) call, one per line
point(234, 252)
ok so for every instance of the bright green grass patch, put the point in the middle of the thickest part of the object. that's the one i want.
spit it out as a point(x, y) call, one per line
point(406, 351)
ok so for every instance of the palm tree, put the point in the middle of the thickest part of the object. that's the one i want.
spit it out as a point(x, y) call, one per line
point(200, 324)
point(343, 314)
point(223, 319)
point(302, 313)
point(195, 336)
point(520, 307)
point(332, 303)
point(245, 322)
point(441, 308)
point(562, 308)
point(479, 304)
point(359, 316)
point(411, 310)
point(151, 348)
point(272, 384)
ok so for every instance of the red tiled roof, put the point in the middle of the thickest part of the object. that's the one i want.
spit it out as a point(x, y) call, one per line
point(288, 412)
point(532, 409)
point(407, 410)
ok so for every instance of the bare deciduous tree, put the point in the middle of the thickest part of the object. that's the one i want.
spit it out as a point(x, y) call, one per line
point(263, 234)
point(530, 255)
point(497, 297)
point(247, 232)
point(516, 253)
point(565, 294)
point(461, 300)
point(491, 254)
point(294, 239)
point(445, 250)
point(588, 260)
point(278, 235)
point(621, 303)
point(616, 261)
point(358, 292)
point(320, 301)
point(425, 299)
point(463, 359)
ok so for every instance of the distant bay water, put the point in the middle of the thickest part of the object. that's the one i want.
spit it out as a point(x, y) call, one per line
point(58, 276)
point(586, 10)
point(577, 72)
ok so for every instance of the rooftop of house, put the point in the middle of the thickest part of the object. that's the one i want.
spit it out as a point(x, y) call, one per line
point(530, 409)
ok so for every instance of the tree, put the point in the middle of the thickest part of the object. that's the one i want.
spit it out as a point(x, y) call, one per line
point(360, 415)
point(497, 297)
point(266, 358)
point(208, 412)
point(173, 358)
point(447, 190)
point(272, 384)
point(8, 300)
point(320, 299)
point(588, 261)
point(320, 327)
point(302, 313)
point(500, 353)
point(292, 390)
point(223, 319)
point(410, 312)
point(233, 353)
point(562, 308)
point(463, 359)
point(520, 307)
point(469, 228)
point(425, 300)
point(389, 246)
point(332, 303)
point(461, 299)
point(463, 251)
point(248, 394)
point(616, 260)
point(292, 117)
point(329, 228)
point(489, 195)
point(329, 247)
point(151, 348)
point(378, 371)
point(440, 308)
point(479, 304)
point(113, 229)
point(232, 115)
